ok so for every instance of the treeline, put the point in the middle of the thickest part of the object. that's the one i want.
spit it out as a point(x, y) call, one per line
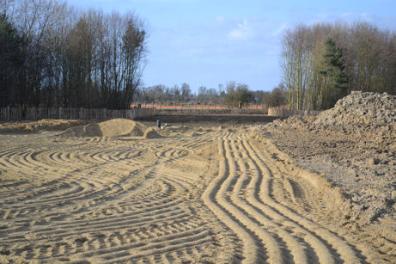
point(232, 94)
point(53, 55)
point(324, 62)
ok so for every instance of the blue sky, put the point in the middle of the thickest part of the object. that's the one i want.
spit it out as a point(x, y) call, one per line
point(209, 42)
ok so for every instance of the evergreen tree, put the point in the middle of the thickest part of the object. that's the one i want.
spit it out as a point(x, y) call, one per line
point(335, 79)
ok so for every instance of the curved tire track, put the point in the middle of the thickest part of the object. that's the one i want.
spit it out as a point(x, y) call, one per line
point(241, 197)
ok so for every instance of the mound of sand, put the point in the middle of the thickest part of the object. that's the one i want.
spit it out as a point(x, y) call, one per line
point(35, 126)
point(359, 108)
point(111, 128)
point(151, 133)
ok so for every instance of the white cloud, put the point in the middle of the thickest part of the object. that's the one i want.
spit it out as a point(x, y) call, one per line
point(243, 31)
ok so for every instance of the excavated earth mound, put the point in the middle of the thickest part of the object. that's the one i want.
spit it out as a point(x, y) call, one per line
point(111, 128)
point(36, 126)
point(360, 109)
point(354, 145)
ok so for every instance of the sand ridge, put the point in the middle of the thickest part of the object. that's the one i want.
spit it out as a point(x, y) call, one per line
point(110, 128)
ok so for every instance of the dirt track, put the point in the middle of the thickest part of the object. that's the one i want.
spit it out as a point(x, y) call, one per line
point(219, 196)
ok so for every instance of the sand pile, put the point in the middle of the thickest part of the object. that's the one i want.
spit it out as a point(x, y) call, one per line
point(35, 126)
point(353, 144)
point(151, 133)
point(360, 109)
point(355, 113)
point(111, 128)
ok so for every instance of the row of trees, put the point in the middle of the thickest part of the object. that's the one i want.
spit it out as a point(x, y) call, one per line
point(53, 55)
point(324, 62)
point(184, 94)
point(233, 94)
point(162, 93)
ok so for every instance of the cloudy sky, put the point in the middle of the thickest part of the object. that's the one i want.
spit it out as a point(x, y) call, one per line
point(209, 42)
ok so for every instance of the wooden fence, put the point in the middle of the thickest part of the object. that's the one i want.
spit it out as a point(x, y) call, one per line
point(37, 113)
point(198, 109)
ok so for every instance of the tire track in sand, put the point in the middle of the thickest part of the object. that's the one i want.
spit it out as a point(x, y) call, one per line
point(142, 203)
point(341, 250)
point(117, 204)
point(216, 201)
point(240, 197)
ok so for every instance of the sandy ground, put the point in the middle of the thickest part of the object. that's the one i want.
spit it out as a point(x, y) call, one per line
point(201, 194)
point(362, 164)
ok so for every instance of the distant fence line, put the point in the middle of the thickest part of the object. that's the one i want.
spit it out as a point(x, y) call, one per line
point(188, 108)
point(37, 113)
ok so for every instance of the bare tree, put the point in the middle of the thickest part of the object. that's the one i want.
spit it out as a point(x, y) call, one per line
point(368, 56)
point(76, 59)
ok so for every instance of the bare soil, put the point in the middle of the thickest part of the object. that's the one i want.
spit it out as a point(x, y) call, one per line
point(198, 194)
point(353, 146)
point(36, 126)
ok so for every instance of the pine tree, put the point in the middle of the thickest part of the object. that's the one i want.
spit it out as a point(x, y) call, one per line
point(335, 80)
